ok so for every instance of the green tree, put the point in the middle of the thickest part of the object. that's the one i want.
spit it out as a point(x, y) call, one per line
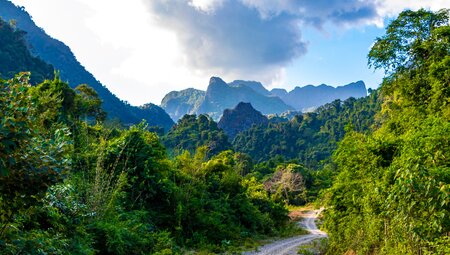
point(312, 137)
point(15, 56)
point(391, 195)
point(88, 103)
point(32, 157)
point(192, 132)
point(414, 53)
point(216, 205)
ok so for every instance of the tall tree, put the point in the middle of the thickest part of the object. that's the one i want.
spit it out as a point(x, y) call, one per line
point(392, 194)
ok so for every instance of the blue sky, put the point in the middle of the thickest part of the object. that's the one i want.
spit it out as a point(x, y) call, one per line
point(143, 49)
point(336, 58)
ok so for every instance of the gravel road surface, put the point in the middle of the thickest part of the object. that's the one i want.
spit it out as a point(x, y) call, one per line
point(290, 245)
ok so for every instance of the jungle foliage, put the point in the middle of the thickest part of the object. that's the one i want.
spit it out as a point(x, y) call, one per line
point(312, 137)
point(391, 195)
point(70, 185)
point(15, 56)
point(192, 132)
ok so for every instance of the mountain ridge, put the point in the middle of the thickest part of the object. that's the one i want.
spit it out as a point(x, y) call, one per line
point(302, 98)
point(240, 118)
point(60, 56)
point(220, 95)
point(179, 103)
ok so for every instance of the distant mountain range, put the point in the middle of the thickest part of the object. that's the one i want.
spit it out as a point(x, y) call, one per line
point(218, 96)
point(179, 103)
point(221, 95)
point(60, 56)
point(308, 97)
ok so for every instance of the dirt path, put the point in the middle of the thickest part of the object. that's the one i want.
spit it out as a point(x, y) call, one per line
point(290, 245)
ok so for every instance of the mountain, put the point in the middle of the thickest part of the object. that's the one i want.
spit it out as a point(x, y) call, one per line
point(156, 116)
point(14, 47)
point(59, 55)
point(308, 97)
point(254, 85)
point(179, 103)
point(220, 96)
point(310, 137)
point(279, 92)
point(241, 118)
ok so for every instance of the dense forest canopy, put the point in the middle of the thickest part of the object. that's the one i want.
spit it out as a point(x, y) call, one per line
point(391, 195)
point(15, 57)
point(310, 137)
point(70, 186)
point(192, 132)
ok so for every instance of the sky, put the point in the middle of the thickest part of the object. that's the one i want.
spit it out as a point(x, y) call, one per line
point(143, 49)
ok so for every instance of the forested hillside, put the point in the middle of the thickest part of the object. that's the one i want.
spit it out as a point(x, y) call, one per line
point(15, 57)
point(302, 145)
point(69, 187)
point(310, 137)
point(60, 56)
point(241, 118)
point(220, 96)
point(192, 132)
point(392, 194)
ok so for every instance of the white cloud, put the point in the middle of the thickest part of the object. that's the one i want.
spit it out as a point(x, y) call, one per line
point(142, 49)
point(206, 5)
point(250, 39)
point(233, 39)
point(390, 8)
point(120, 44)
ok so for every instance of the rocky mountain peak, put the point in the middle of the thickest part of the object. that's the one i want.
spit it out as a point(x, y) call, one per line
point(241, 118)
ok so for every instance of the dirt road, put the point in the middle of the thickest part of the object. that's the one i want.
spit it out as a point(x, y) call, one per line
point(290, 245)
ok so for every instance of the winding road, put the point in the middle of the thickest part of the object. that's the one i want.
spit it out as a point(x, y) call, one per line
point(290, 245)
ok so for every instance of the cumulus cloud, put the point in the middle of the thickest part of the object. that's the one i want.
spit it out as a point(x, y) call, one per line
point(245, 37)
point(143, 49)
point(318, 12)
point(206, 5)
point(229, 35)
point(390, 8)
